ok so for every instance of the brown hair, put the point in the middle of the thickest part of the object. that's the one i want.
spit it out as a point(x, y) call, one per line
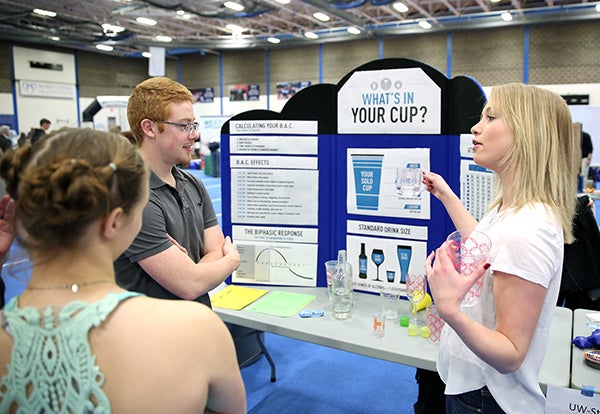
point(71, 179)
point(150, 100)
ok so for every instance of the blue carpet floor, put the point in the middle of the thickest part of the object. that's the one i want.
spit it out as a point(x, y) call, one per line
point(311, 379)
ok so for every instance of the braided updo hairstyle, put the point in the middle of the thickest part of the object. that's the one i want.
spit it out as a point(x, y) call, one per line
point(69, 180)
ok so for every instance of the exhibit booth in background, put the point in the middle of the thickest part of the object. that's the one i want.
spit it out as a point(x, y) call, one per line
point(323, 174)
point(106, 112)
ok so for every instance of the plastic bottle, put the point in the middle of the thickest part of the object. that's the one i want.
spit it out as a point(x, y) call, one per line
point(362, 262)
point(341, 288)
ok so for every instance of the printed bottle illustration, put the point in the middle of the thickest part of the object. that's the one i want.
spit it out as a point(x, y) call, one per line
point(362, 262)
point(404, 255)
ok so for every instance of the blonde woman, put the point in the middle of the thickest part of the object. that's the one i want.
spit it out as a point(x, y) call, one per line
point(491, 354)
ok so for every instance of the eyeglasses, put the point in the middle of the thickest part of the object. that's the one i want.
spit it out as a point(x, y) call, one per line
point(187, 128)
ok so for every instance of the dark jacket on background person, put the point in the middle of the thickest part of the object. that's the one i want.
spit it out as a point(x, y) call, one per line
point(5, 143)
point(35, 135)
point(580, 282)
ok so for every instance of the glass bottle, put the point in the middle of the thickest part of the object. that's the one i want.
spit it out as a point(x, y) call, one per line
point(341, 288)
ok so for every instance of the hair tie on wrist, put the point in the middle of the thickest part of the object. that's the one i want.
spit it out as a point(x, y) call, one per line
point(113, 166)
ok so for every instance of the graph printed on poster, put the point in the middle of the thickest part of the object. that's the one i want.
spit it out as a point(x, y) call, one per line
point(476, 183)
point(384, 260)
point(274, 201)
point(276, 255)
point(388, 182)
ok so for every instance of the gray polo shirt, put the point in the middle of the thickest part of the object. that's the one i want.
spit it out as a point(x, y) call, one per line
point(183, 212)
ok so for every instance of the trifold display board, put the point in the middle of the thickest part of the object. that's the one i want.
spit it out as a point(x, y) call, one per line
point(340, 168)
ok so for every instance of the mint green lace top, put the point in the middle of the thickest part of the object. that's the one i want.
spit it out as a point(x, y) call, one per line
point(52, 368)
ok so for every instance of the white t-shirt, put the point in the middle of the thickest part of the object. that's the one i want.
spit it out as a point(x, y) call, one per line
point(528, 243)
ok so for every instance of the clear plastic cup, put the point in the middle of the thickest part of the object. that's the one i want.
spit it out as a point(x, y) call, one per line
point(469, 249)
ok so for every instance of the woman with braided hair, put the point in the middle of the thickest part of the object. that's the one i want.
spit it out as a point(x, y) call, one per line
point(74, 341)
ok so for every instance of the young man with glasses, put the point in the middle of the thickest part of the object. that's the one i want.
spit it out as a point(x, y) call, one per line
point(180, 251)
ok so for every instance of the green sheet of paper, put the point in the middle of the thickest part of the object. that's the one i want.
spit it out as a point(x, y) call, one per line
point(278, 303)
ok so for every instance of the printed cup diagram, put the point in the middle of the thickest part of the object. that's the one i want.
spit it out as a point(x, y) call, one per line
point(367, 180)
point(408, 180)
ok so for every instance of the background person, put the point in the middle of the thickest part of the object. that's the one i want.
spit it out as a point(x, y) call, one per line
point(22, 140)
point(79, 200)
point(5, 141)
point(180, 251)
point(37, 133)
point(7, 235)
point(587, 150)
point(491, 354)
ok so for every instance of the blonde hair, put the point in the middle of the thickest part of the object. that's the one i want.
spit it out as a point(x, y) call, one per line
point(544, 158)
point(150, 99)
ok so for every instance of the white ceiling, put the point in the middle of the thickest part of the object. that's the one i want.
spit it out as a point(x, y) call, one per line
point(202, 26)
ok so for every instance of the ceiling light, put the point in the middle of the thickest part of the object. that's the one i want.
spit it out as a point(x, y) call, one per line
point(55, 38)
point(180, 12)
point(162, 38)
point(146, 21)
point(321, 16)
point(506, 16)
point(235, 29)
point(283, 1)
point(233, 5)
point(353, 30)
point(43, 12)
point(273, 40)
point(425, 24)
point(106, 48)
point(147, 55)
point(495, 1)
point(401, 7)
point(112, 28)
point(311, 35)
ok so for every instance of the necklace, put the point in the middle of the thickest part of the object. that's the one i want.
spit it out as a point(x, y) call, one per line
point(74, 287)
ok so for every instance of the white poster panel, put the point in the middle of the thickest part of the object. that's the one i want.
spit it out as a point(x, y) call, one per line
point(466, 145)
point(391, 101)
point(386, 261)
point(476, 183)
point(387, 182)
point(274, 144)
point(276, 255)
point(273, 127)
point(476, 187)
point(274, 196)
point(275, 201)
